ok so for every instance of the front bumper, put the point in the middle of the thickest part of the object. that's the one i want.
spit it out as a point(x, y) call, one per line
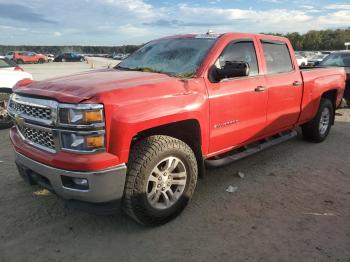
point(103, 185)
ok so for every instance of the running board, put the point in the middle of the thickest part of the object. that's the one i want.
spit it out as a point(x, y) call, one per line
point(248, 150)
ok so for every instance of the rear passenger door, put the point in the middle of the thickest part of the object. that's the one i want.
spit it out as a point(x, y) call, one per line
point(284, 86)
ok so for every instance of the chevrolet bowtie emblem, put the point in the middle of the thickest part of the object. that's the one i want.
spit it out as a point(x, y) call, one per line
point(19, 120)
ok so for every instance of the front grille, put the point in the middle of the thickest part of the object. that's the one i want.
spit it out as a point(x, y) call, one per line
point(38, 136)
point(30, 110)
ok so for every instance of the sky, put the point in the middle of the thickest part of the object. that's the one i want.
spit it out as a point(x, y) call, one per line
point(119, 22)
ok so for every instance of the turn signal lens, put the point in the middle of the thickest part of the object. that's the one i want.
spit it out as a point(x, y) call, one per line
point(93, 116)
point(95, 141)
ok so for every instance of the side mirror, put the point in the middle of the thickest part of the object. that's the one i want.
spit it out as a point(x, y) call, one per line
point(229, 70)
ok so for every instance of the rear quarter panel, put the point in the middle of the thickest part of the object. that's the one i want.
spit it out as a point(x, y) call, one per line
point(316, 83)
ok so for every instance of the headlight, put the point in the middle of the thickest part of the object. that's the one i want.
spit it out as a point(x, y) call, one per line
point(82, 114)
point(86, 123)
point(82, 142)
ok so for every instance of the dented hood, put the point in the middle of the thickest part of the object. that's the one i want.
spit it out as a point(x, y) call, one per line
point(83, 86)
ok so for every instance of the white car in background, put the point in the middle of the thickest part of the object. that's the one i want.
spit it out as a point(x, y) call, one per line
point(302, 61)
point(10, 74)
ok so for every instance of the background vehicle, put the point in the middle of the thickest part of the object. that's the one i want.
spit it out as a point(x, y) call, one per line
point(315, 60)
point(9, 55)
point(302, 61)
point(120, 56)
point(10, 74)
point(141, 133)
point(69, 57)
point(50, 57)
point(28, 57)
point(340, 59)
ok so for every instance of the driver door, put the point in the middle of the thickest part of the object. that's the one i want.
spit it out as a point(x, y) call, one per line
point(237, 105)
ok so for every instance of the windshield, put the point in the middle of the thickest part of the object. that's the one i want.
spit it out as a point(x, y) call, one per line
point(342, 60)
point(178, 57)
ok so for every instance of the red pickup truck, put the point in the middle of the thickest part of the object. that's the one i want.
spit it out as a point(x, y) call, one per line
point(143, 132)
point(28, 57)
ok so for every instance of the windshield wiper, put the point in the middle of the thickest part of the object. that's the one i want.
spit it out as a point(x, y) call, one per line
point(186, 75)
point(151, 70)
point(146, 69)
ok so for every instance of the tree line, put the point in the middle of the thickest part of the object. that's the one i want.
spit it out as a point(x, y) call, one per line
point(319, 40)
point(310, 41)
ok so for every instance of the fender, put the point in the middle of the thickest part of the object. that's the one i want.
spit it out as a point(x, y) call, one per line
point(128, 121)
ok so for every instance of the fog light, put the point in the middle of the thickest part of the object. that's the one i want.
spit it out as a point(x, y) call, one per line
point(80, 181)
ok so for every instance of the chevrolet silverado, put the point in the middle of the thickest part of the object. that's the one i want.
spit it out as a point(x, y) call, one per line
point(141, 133)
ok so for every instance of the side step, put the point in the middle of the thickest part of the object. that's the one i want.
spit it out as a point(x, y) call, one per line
point(248, 150)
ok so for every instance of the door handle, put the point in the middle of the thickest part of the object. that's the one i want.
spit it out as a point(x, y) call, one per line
point(297, 83)
point(260, 89)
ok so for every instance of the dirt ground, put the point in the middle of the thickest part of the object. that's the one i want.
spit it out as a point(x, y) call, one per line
point(293, 204)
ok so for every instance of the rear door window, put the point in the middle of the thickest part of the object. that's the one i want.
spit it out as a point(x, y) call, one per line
point(277, 57)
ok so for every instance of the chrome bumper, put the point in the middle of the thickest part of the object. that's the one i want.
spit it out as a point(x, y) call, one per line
point(104, 185)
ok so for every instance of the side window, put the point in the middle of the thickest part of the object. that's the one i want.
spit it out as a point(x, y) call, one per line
point(243, 51)
point(277, 57)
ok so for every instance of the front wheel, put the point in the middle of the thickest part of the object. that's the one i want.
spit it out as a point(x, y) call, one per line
point(5, 119)
point(162, 176)
point(318, 128)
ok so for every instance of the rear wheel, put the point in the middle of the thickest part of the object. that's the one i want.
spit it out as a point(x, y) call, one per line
point(63, 60)
point(5, 119)
point(162, 176)
point(318, 128)
point(41, 61)
point(19, 61)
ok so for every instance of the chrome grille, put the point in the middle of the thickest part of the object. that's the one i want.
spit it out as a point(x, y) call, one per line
point(39, 137)
point(30, 110)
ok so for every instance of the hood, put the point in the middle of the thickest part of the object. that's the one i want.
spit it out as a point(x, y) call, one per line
point(83, 86)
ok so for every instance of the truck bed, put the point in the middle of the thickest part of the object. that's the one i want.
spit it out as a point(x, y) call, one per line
point(316, 80)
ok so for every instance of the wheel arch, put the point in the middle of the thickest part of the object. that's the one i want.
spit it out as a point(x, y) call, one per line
point(189, 131)
point(332, 95)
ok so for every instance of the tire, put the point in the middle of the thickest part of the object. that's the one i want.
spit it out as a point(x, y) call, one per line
point(319, 127)
point(63, 60)
point(5, 120)
point(81, 59)
point(19, 61)
point(149, 180)
point(41, 61)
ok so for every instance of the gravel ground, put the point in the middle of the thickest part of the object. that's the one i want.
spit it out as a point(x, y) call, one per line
point(55, 69)
point(293, 204)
